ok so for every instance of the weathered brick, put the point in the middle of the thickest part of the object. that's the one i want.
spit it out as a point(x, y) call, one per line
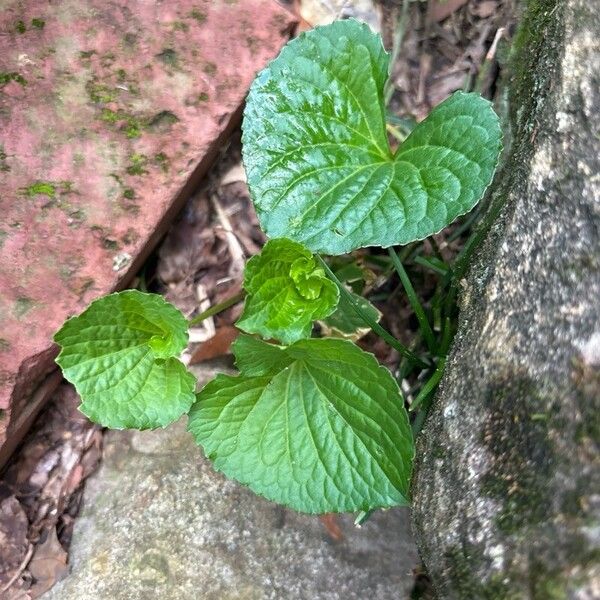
point(110, 113)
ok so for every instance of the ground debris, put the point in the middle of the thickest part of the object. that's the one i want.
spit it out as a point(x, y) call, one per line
point(40, 493)
point(48, 564)
point(13, 535)
point(201, 261)
point(444, 49)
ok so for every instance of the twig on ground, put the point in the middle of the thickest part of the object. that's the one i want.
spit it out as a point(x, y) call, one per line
point(490, 56)
point(20, 570)
point(396, 46)
point(238, 258)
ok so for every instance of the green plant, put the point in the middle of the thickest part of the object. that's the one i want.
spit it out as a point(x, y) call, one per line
point(313, 423)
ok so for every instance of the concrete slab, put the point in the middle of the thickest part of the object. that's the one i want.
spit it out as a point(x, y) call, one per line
point(158, 522)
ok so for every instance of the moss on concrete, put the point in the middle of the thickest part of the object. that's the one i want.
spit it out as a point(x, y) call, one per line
point(534, 59)
point(459, 561)
point(505, 471)
point(516, 433)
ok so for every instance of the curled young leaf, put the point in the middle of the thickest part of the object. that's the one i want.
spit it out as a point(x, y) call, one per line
point(120, 354)
point(287, 291)
point(316, 153)
point(318, 426)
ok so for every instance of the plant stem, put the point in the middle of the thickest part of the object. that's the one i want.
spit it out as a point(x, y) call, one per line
point(217, 308)
point(372, 323)
point(435, 247)
point(433, 264)
point(430, 385)
point(414, 301)
point(363, 516)
point(446, 337)
point(417, 424)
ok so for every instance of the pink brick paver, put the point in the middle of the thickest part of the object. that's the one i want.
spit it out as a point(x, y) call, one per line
point(110, 112)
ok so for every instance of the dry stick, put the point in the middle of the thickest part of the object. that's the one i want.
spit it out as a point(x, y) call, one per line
point(20, 570)
point(395, 132)
point(340, 12)
point(238, 257)
point(237, 265)
point(398, 39)
point(489, 58)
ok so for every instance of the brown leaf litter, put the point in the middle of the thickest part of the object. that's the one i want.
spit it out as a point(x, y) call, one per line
point(201, 261)
point(40, 493)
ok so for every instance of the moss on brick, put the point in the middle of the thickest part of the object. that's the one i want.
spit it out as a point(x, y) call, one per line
point(198, 15)
point(168, 56)
point(162, 121)
point(137, 164)
point(44, 188)
point(7, 77)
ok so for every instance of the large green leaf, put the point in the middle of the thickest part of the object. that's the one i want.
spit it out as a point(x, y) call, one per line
point(120, 356)
point(318, 426)
point(287, 291)
point(317, 158)
point(255, 357)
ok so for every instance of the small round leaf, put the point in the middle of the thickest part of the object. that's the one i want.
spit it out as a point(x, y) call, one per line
point(120, 354)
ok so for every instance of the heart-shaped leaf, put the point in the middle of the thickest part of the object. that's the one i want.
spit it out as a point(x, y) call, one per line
point(318, 426)
point(287, 291)
point(120, 356)
point(317, 158)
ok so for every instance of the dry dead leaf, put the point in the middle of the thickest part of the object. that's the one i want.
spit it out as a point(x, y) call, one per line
point(440, 88)
point(485, 9)
point(234, 175)
point(13, 535)
point(14, 594)
point(331, 522)
point(218, 345)
point(438, 10)
point(45, 480)
point(48, 564)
